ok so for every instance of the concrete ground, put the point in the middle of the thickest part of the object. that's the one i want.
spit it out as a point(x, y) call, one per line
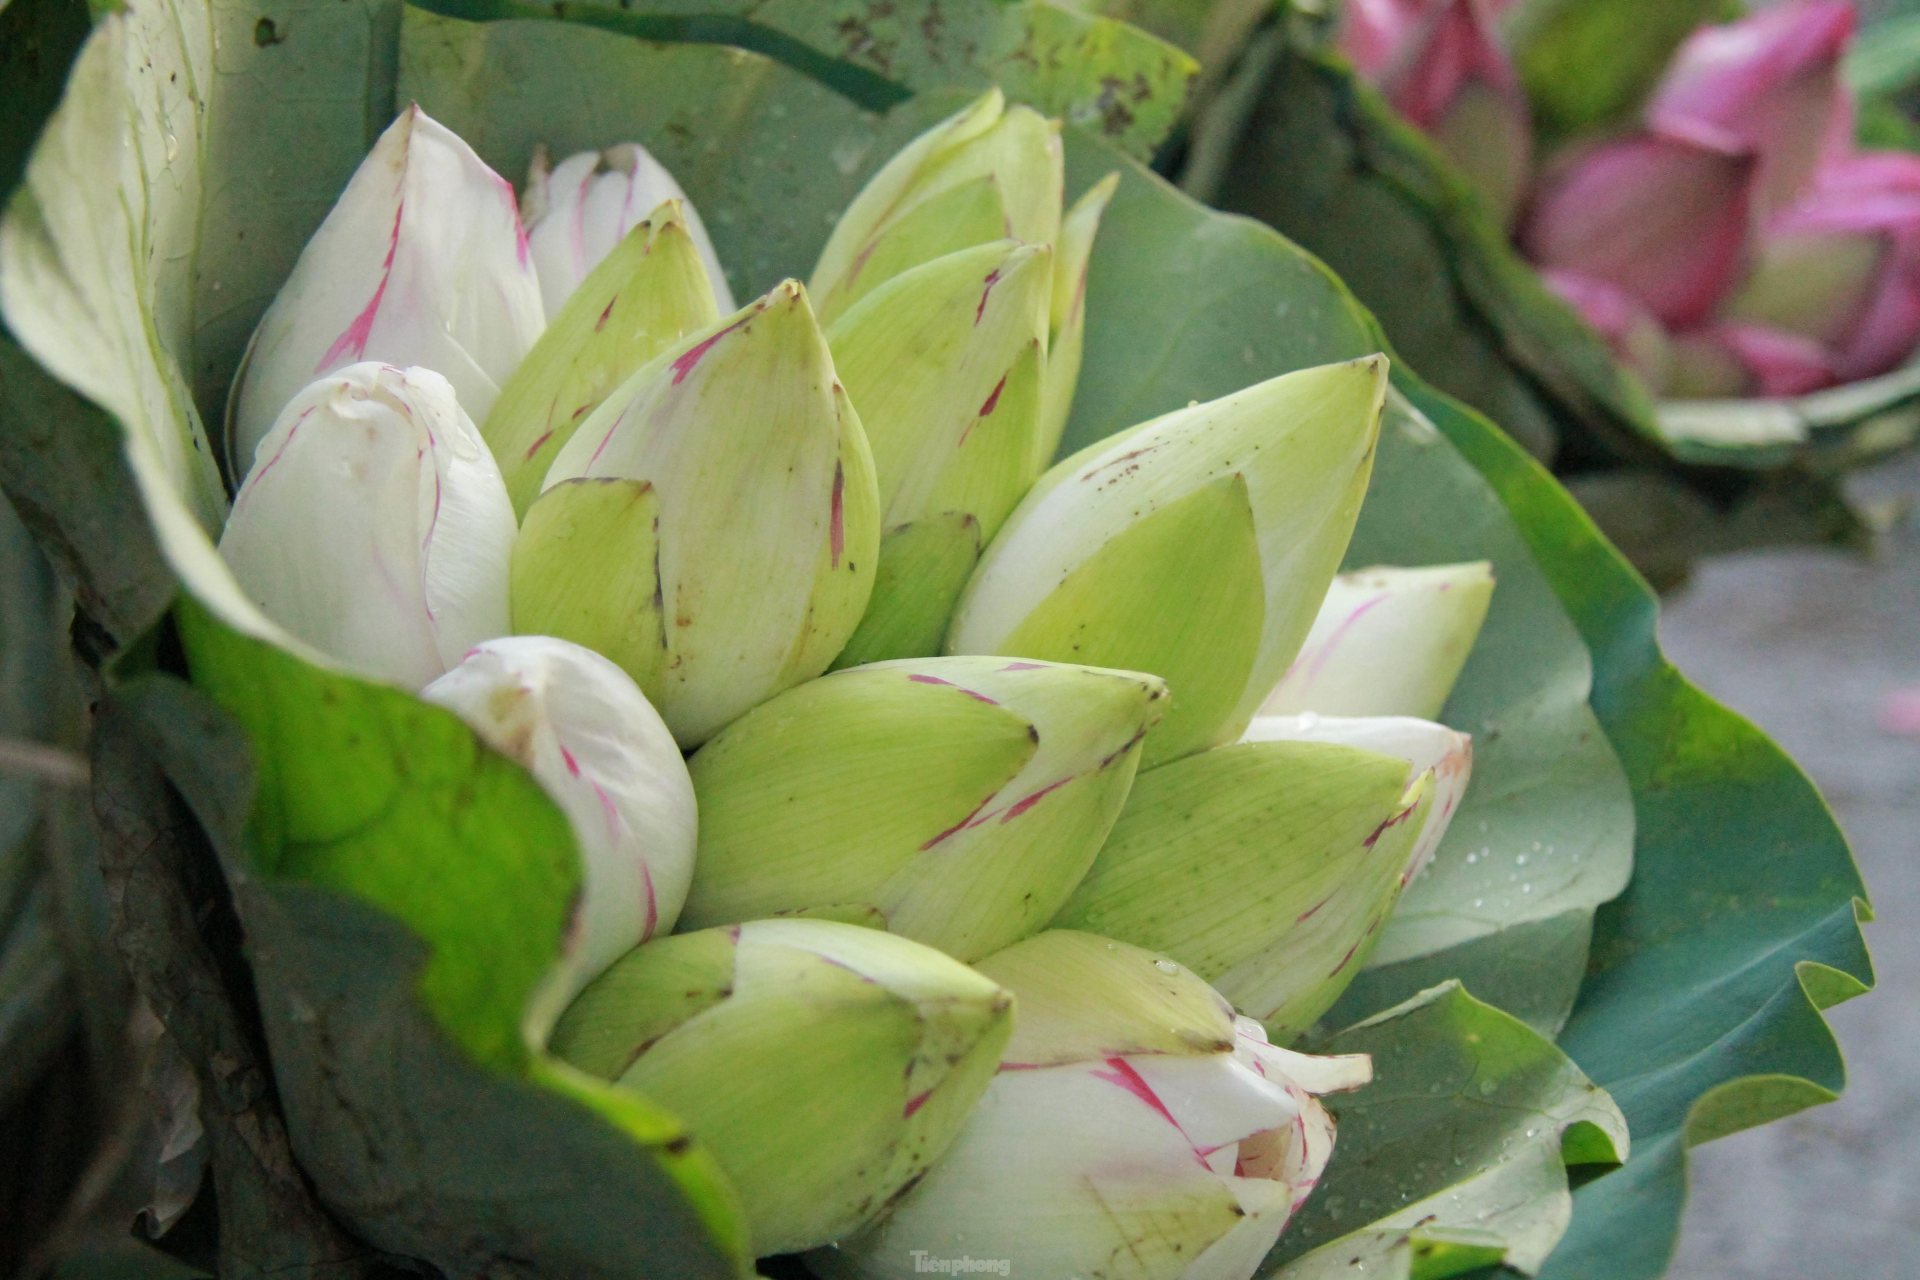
point(1809, 645)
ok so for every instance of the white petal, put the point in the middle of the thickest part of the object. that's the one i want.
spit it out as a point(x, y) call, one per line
point(1387, 642)
point(376, 527)
point(590, 201)
point(1058, 1171)
point(590, 737)
point(1423, 744)
point(420, 262)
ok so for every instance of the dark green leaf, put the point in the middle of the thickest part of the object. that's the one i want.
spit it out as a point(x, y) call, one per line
point(1119, 80)
point(1460, 1132)
point(414, 1137)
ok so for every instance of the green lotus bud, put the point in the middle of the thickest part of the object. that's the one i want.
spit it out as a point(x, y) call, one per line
point(964, 798)
point(1067, 337)
point(1195, 546)
point(651, 291)
point(1267, 868)
point(825, 1066)
point(987, 173)
point(1387, 642)
point(713, 526)
point(944, 362)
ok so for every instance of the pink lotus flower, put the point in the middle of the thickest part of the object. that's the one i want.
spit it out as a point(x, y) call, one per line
point(1767, 86)
point(1661, 219)
point(1841, 269)
point(1441, 65)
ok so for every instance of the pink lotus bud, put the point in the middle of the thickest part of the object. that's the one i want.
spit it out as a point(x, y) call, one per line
point(1843, 266)
point(1660, 219)
point(1441, 65)
point(1636, 335)
point(420, 262)
point(1736, 360)
point(1768, 85)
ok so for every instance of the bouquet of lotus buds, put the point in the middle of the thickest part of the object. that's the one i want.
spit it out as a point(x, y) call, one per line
point(1006, 755)
point(1109, 731)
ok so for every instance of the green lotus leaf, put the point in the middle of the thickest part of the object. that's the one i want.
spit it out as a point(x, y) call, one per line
point(1458, 1149)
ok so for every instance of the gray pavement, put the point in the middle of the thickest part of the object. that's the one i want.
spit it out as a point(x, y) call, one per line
point(1808, 644)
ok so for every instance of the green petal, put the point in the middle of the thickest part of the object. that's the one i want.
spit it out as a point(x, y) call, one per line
point(586, 568)
point(646, 295)
point(970, 213)
point(1069, 314)
point(924, 565)
point(644, 995)
point(1083, 997)
point(1219, 858)
point(1178, 594)
point(822, 794)
point(841, 1066)
point(927, 358)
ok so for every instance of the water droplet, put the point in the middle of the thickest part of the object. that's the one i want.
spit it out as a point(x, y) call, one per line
point(1164, 966)
point(173, 146)
point(1483, 826)
point(1479, 902)
point(1472, 858)
point(1526, 888)
point(1520, 861)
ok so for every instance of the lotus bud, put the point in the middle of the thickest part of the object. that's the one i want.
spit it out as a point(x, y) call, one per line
point(1843, 267)
point(375, 525)
point(1662, 219)
point(1440, 63)
point(646, 295)
point(1265, 867)
point(578, 210)
point(1638, 339)
point(1768, 86)
point(961, 798)
point(1423, 744)
point(589, 737)
point(712, 527)
point(991, 172)
point(1195, 546)
point(1387, 642)
point(420, 262)
point(945, 363)
point(1133, 1118)
point(1067, 337)
point(825, 1066)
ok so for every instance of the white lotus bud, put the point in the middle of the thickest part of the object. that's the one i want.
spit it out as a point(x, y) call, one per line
point(376, 526)
point(1133, 1118)
point(577, 210)
point(1387, 642)
point(420, 262)
point(588, 735)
